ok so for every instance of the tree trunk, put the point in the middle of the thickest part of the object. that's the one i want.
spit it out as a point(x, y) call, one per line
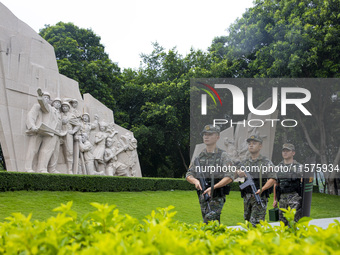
point(336, 174)
point(182, 157)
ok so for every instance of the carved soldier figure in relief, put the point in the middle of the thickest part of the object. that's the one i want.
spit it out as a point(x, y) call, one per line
point(230, 149)
point(56, 103)
point(86, 155)
point(111, 129)
point(49, 130)
point(243, 152)
point(75, 112)
point(42, 124)
point(74, 105)
point(33, 121)
point(71, 126)
point(131, 150)
point(119, 168)
point(86, 126)
point(110, 157)
point(99, 149)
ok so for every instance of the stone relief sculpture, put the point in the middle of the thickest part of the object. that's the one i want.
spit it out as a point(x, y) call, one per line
point(52, 129)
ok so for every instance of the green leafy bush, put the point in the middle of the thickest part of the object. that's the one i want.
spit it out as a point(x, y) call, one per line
point(105, 231)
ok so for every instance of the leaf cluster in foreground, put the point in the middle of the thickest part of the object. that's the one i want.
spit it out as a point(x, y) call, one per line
point(106, 231)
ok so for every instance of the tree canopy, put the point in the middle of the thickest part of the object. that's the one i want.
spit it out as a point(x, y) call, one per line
point(274, 38)
point(81, 56)
point(290, 38)
point(295, 39)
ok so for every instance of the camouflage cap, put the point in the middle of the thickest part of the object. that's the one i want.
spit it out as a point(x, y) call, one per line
point(211, 129)
point(256, 138)
point(288, 146)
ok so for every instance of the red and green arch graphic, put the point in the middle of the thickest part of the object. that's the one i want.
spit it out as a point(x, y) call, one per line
point(210, 94)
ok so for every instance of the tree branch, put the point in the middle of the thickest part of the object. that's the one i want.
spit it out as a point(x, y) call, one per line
point(336, 174)
point(310, 143)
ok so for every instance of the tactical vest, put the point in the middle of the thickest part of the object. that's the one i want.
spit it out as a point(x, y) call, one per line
point(257, 185)
point(213, 161)
point(289, 181)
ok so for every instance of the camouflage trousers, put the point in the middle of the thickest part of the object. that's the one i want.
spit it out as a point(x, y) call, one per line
point(292, 200)
point(215, 204)
point(253, 212)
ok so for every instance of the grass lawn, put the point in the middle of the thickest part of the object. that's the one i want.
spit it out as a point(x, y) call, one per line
point(140, 204)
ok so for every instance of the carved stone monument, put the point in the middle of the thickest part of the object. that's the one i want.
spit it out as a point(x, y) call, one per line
point(46, 126)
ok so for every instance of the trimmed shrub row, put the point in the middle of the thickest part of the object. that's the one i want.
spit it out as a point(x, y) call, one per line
point(13, 181)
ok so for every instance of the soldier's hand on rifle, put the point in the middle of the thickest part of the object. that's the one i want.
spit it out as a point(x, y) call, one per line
point(196, 183)
point(207, 191)
point(274, 203)
point(258, 192)
point(241, 173)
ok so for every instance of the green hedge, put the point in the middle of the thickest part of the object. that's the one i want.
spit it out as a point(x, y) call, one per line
point(12, 181)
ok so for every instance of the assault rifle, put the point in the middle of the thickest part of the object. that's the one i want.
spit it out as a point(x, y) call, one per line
point(250, 182)
point(203, 183)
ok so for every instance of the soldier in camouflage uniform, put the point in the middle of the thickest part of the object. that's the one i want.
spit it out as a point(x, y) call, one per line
point(260, 168)
point(211, 157)
point(287, 190)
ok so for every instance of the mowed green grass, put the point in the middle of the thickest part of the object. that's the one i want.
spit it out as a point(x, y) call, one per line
point(140, 204)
